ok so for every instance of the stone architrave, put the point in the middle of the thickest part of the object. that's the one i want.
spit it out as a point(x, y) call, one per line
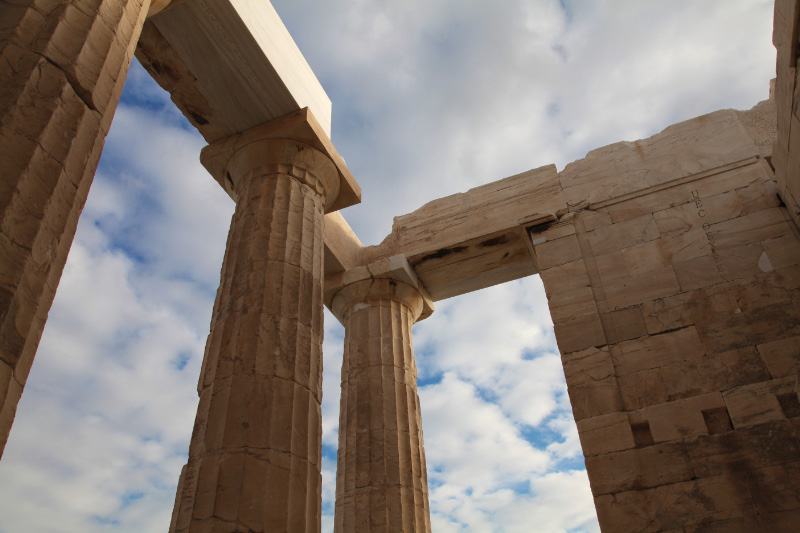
point(381, 479)
point(254, 459)
point(63, 65)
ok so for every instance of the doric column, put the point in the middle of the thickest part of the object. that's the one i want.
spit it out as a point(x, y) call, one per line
point(62, 68)
point(255, 454)
point(381, 481)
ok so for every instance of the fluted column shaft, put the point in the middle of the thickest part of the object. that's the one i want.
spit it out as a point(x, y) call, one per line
point(254, 459)
point(62, 65)
point(381, 481)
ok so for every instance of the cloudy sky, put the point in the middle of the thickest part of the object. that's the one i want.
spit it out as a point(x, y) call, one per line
point(429, 98)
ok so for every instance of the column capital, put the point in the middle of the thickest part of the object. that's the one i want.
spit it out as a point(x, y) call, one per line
point(390, 278)
point(297, 143)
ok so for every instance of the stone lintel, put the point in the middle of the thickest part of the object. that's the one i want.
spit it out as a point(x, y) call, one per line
point(476, 239)
point(240, 57)
point(296, 126)
point(340, 294)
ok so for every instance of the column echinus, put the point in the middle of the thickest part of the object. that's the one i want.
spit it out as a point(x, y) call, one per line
point(62, 68)
point(381, 480)
point(255, 454)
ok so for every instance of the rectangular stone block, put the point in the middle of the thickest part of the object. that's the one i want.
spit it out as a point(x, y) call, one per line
point(572, 304)
point(743, 261)
point(782, 357)
point(682, 379)
point(679, 419)
point(646, 256)
point(611, 266)
point(564, 278)
point(775, 488)
point(726, 370)
point(749, 229)
point(784, 521)
point(623, 234)
point(783, 251)
point(758, 403)
point(699, 272)
point(767, 288)
point(628, 323)
point(594, 219)
point(579, 333)
point(758, 196)
point(588, 365)
point(751, 328)
point(642, 389)
point(656, 351)
point(688, 308)
point(698, 211)
point(676, 507)
point(557, 252)
point(637, 469)
point(595, 398)
point(640, 288)
point(773, 443)
point(605, 434)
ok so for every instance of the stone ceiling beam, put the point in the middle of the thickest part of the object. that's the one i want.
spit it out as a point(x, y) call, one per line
point(229, 65)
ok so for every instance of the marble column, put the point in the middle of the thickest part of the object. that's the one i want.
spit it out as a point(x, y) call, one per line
point(255, 454)
point(381, 482)
point(62, 65)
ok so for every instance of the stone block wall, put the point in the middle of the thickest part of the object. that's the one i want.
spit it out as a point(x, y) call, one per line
point(786, 151)
point(674, 285)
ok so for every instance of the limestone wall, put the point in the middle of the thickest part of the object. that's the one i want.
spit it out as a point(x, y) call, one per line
point(674, 286)
point(786, 157)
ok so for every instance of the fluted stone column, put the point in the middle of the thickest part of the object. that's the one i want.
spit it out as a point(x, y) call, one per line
point(381, 481)
point(254, 459)
point(62, 68)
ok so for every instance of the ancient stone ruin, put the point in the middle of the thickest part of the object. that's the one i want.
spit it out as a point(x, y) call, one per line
point(671, 267)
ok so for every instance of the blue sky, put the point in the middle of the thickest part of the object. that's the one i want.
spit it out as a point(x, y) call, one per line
point(429, 99)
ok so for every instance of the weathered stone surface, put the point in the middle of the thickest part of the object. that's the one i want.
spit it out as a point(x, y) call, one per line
point(628, 323)
point(564, 278)
point(592, 385)
point(636, 469)
point(682, 506)
point(605, 434)
point(381, 478)
point(782, 251)
point(755, 327)
point(572, 304)
point(681, 150)
point(657, 350)
point(679, 419)
point(758, 403)
point(690, 269)
point(782, 357)
point(557, 252)
point(641, 389)
point(773, 443)
point(784, 521)
point(698, 211)
point(775, 488)
point(63, 66)
point(254, 459)
point(726, 370)
point(623, 234)
point(640, 288)
point(579, 333)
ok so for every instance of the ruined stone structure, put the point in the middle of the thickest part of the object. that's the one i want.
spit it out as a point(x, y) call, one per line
point(671, 267)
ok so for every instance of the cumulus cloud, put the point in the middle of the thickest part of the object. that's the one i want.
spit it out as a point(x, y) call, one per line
point(429, 98)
